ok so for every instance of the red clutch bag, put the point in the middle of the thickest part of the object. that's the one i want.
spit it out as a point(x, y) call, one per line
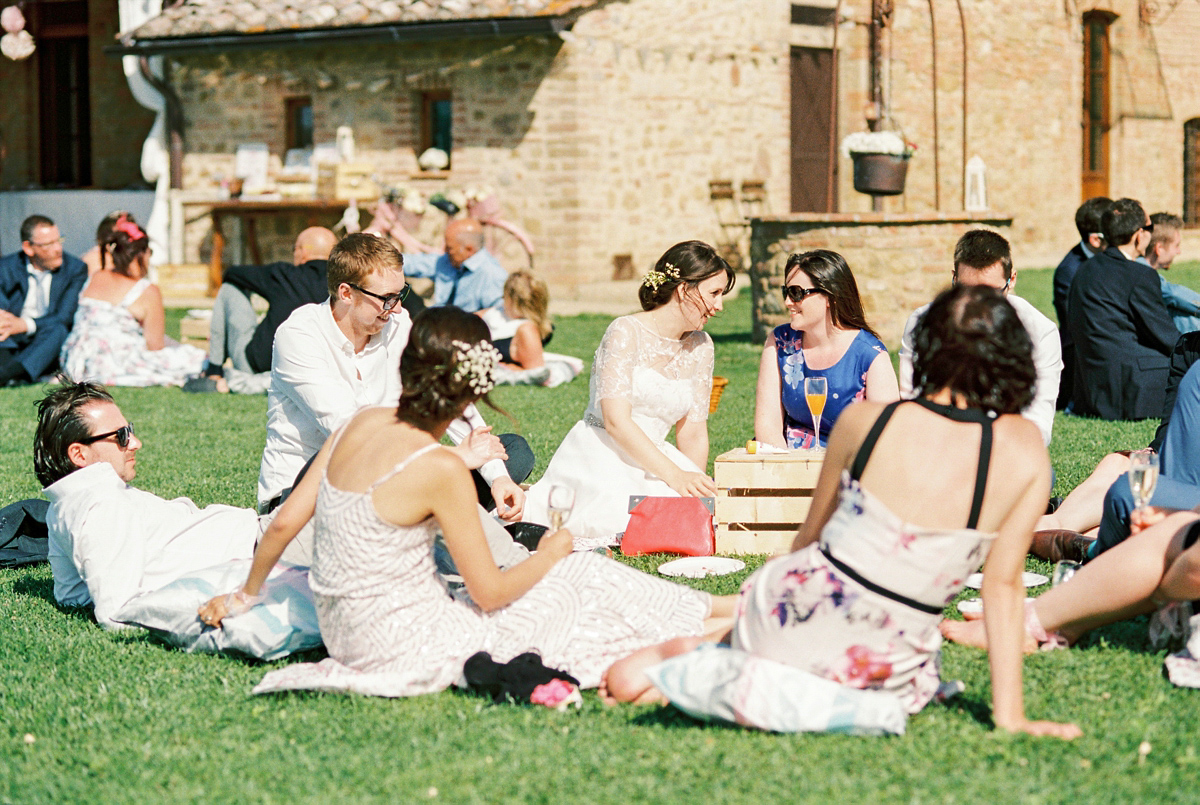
point(670, 525)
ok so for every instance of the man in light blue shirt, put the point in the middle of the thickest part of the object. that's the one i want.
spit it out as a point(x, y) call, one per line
point(1165, 242)
point(466, 276)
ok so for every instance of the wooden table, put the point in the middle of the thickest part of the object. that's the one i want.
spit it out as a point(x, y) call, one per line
point(762, 499)
point(316, 210)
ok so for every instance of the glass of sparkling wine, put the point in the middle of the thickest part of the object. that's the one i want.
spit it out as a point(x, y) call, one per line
point(559, 504)
point(815, 391)
point(1063, 571)
point(1143, 476)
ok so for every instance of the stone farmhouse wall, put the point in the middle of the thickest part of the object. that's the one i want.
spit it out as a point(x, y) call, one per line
point(600, 144)
point(1024, 102)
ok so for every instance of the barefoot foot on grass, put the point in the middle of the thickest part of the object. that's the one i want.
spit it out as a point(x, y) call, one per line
point(974, 633)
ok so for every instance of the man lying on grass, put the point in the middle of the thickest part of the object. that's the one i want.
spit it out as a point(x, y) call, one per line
point(110, 542)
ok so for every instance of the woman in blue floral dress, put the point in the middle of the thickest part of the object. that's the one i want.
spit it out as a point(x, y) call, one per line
point(913, 496)
point(828, 337)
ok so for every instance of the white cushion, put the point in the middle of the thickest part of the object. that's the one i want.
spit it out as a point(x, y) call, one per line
point(284, 622)
point(719, 683)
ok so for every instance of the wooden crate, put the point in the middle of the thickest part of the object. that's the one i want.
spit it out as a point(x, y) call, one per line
point(763, 499)
point(347, 181)
point(194, 330)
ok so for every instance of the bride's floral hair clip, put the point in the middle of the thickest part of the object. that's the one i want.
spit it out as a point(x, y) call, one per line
point(129, 228)
point(657, 277)
point(477, 364)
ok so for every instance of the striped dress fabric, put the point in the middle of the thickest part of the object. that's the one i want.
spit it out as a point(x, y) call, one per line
point(392, 628)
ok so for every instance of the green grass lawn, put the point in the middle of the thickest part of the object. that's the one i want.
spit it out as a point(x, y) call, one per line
point(90, 716)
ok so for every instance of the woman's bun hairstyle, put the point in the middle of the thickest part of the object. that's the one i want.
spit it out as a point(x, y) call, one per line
point(447, 365)
point(126, 242)
point(972, 342)
point(685, 264)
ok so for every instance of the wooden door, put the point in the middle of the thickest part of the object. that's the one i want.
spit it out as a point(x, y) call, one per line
point(64, 116)
point(1096, 103)
point(1191, 172)
point(813, 189)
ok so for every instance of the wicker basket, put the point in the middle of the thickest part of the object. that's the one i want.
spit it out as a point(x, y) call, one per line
point(718, 388)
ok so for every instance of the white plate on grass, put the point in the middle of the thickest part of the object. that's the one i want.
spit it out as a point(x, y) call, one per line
point(975, 580)
point(697, 567)
point(973, 606)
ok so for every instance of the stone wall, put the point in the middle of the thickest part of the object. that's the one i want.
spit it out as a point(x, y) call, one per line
point(671, 95)
point(1023, 102)
point(1024, 96)
point(240, 97)
point(899, 260)
point(601, 143)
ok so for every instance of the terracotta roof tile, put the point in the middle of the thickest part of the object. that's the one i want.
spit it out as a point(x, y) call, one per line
point(207, 17)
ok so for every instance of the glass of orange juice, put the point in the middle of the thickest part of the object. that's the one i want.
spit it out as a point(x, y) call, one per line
point(815, 391)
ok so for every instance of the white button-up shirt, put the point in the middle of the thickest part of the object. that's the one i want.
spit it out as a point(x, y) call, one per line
point(1047, 361)
point(37, 298)
point(318, 382)
point(110, 542)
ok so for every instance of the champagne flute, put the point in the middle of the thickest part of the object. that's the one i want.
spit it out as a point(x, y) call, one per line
point(1063, 571)
point(1143, 476)
point(559, 504)
point(815, 391)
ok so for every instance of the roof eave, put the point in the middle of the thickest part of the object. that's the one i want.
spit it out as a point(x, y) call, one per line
point(349, 35)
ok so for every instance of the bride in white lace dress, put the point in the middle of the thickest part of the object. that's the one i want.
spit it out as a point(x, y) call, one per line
point(652, 371)
point(378, 491)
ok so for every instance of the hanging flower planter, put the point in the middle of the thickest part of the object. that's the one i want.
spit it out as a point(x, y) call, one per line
point(880, 161)
point(880, 174)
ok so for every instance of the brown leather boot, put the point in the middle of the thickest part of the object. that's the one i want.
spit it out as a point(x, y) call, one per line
point(1057, 544)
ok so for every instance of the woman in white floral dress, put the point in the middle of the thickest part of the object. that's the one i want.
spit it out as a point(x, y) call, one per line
point(379, 490)
point(653, 371)
point(118, 336)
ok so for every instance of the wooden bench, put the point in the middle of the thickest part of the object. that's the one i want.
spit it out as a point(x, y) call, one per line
point(762, 499)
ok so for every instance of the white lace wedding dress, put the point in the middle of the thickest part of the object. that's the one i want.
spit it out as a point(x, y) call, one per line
point(665, 380)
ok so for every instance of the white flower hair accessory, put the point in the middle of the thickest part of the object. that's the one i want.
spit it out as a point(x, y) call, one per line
point(656, 278)
point(476, 363)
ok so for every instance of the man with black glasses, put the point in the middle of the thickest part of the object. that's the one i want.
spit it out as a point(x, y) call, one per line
point(108, 541)
point(39, 291)
point(1122, 330)
point(334, 358)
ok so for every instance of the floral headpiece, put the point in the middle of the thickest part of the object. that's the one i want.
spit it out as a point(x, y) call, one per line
point(656, 277)
point(129, 228)
point(476, 363)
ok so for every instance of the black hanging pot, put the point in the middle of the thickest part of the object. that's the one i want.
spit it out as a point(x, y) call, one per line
point(879, 174)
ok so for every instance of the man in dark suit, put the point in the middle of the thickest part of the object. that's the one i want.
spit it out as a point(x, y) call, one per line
point(1091, 241)
point(1122, 331)
point(236, 332)
point(39, 291)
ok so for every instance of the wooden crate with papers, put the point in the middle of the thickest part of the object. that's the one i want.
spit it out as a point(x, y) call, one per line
point(762, 498)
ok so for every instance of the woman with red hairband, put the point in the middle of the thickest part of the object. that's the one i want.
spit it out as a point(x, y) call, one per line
point(97, 258)
point(118, 337)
